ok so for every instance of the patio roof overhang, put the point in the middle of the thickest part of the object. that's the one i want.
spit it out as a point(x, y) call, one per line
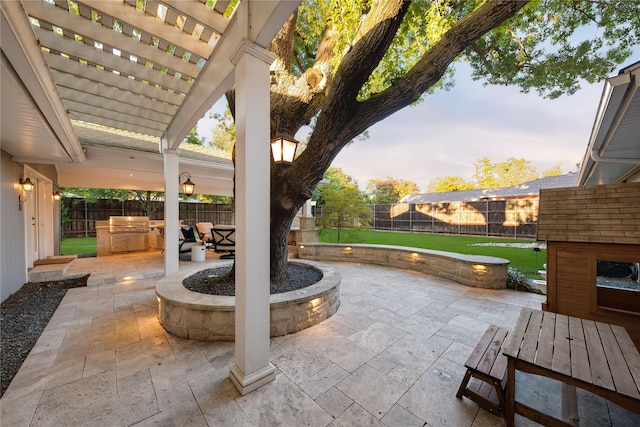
point(613, 153)
point(101, 88)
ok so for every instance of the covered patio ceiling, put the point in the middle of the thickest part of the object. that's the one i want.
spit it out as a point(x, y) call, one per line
point(101, 88)
point(613, 153)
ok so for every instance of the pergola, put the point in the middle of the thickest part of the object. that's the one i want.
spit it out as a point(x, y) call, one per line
point(107, 90)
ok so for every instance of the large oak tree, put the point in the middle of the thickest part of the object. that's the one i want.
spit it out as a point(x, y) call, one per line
point(343, 65)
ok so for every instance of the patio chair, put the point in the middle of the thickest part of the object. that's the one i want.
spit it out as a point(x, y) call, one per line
point(187, 239)
point(204, 230)
point(224, 240)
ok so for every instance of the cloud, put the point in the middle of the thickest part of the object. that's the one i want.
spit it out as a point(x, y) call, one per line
point(449, 131)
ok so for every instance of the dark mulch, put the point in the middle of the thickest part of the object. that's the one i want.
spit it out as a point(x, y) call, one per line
point(23, 317)
point(213, 281)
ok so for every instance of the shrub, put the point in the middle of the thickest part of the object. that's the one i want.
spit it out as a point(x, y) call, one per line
point(515, 279)
point(518, 281)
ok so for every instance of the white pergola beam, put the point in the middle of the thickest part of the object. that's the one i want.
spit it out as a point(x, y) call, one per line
point(124, 66)
point(73, 73)
point(88, 29)
point(152, 25)
point(79, 115)
point(114, 115)
point(102, 96)
point(206, 16)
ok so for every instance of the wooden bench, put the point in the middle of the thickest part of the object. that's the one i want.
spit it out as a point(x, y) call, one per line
point(484, 381)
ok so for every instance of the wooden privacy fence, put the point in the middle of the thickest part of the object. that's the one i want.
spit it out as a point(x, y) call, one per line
point(82, 215)
point(514, 217)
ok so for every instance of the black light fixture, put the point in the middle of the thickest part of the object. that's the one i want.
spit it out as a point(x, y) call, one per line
point(27, 185)
point(283, 145)
point(187, 187)
point(57, 195)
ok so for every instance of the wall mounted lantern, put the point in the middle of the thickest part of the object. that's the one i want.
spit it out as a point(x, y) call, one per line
point(27, 185)
point(57, 195)
point(187, 187)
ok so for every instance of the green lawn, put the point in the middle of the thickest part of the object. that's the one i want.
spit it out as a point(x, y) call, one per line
point(525, 260)
point(78, 246)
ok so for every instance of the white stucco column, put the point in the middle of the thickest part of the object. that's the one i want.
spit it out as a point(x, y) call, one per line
point(306, 209)
point(171, 211)
point(252, 368)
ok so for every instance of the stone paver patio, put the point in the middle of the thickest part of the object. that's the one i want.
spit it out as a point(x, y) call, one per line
point(393, 355)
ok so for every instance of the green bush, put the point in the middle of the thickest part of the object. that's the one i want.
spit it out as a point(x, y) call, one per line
point(515, 279)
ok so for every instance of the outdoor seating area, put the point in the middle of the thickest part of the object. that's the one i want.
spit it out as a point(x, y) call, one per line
point(385, 358)
point(105, 98)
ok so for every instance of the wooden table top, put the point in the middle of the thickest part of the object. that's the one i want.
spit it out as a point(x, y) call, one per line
point(593, 352)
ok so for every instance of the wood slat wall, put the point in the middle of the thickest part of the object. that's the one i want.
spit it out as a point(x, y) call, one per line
point(598, 214)
point(572, 284)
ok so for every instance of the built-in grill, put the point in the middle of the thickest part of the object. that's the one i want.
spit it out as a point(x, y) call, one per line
point(128, 233)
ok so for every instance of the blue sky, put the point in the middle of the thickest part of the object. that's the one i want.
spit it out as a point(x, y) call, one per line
point(449, 131)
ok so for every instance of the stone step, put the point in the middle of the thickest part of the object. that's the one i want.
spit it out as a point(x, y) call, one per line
point(49, 272)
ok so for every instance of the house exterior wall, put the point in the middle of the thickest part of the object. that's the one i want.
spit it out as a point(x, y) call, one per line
point(13, 244)
point(13, 270)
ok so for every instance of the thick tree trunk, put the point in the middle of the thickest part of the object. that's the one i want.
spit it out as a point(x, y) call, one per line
point(332, 98)
point(286, 200)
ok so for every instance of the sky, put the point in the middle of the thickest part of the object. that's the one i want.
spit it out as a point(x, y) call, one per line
point(450, 130)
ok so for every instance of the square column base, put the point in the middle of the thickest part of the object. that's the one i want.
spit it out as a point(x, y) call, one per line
point(247, 383)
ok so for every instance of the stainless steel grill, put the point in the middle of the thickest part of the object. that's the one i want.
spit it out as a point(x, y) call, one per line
point(129, 233)
point(128, 224)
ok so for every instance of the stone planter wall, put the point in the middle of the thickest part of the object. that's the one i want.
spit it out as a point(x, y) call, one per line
point(470, 270)
point(212, 318)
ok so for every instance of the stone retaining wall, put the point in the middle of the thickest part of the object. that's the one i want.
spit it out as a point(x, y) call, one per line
point(470, 270)
point(212, 317)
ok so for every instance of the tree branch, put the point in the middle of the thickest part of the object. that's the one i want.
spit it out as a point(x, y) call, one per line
point(432, 66)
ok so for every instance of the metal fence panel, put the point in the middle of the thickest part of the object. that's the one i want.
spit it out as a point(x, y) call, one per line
point(512, 217)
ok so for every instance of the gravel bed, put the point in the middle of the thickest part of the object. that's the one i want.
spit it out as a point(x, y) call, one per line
point(23, 317)
point(540, 245)
point(618, 282)
point(213, 281)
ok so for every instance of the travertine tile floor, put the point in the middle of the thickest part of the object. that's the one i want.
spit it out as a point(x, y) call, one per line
point(393, 355)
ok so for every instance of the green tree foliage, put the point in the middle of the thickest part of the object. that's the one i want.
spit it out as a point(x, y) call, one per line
point(449, 183)
point(224, 132)
point(337, 180)
point(344, 208)
point(503, 174)
point(491, 175)
point(92, 194)
point(193, 138)
point(145, 199)
point(221, 200)
point(553, 171)
point(550, 46)
point(390, 190)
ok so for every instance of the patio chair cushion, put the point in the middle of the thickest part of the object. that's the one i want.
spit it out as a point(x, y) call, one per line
point(204, 230)
point(187, 239)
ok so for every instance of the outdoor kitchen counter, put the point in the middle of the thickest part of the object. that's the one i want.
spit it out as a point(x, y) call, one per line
point(122, 234)
point(102, 238)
